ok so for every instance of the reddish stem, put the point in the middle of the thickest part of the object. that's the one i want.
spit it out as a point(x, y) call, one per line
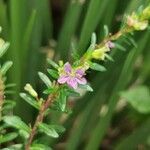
point(39, 119)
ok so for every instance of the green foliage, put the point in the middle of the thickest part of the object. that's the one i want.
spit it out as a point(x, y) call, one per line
point(48, 130)
point(30, 100)
point(16, 122)
point(45, 79)
point(7, 137)
point(139, 98)
point(97, 67)
point(34, 35)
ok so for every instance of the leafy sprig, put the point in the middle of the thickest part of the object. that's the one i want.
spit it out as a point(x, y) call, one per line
point(64, 79)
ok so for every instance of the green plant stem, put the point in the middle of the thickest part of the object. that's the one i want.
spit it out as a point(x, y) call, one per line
point(39, 119)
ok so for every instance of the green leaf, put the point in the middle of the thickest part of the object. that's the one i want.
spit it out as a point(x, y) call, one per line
point(72, 93)
point(14, 147)
point(120, 47)
point(93, 42)
point(109, 57)
point(16, 122)
point(86, 87)
point(139, 98)
point(52, 63)
point(97, 67)
point(48, 130)
point(58, 128)
point(10, 85)
point(8, 104)
point(45, 79)
point(8, 137)
point(6, 67)
point(62, 100)
point(49, 91)
point(106, 31)
point(53, 73)
point(3, 126)
point(39, 147)
point(24, 134)
point(4, 48)
point(30, 100)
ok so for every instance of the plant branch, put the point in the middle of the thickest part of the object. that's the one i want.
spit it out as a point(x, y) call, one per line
point(39, 119)
point(1, 95)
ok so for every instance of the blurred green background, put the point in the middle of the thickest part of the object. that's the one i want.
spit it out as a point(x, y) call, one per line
point(40, 29)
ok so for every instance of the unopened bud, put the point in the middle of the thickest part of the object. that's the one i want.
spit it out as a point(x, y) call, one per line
point(31, 91)
point(137, 24)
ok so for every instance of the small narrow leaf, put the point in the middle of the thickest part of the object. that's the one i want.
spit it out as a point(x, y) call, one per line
point(72, 93)
point(62, 100)
point(24, 134)
point(93, 42)
point(120, 47)
point(52, 63)
point(58, 128)
point(16, 122)
point(15, 147)
point(40, 147)
point(4, 48)
point(10, 85)
point(6, 67)
point(8, 104)
point(48, 130)
point(3, 126)
point(45, 79)
point(97, 67)
point(109, 57)
point(30, 100)
point(106, 31)
point(49, 91)
point(8, 137)
point(133, 42)
point(53, 73)
point(86, 87)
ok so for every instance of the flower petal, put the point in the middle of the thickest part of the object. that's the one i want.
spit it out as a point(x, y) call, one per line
point(81, 80)
point(62, 79)
point(72, 82)
point(67, 68)
point(80, 72)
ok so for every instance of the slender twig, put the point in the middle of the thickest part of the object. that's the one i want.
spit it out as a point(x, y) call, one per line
point(115, 36)
point(1, 95)
point(39, 119)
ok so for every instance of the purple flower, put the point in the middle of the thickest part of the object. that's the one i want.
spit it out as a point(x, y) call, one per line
point(110, 44)
point(71, 76)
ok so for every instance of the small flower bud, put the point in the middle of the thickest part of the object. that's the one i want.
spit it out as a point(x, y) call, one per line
point(31, 91)
point(100, 53)
point(110, 44)
point(134, 22)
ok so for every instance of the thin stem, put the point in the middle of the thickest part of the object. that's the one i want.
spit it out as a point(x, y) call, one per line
point(115, 36)
point(1, 96)
point(39, 119)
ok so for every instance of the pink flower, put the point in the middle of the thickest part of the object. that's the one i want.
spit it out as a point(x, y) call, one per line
point(72, 77)
point(110, 44)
